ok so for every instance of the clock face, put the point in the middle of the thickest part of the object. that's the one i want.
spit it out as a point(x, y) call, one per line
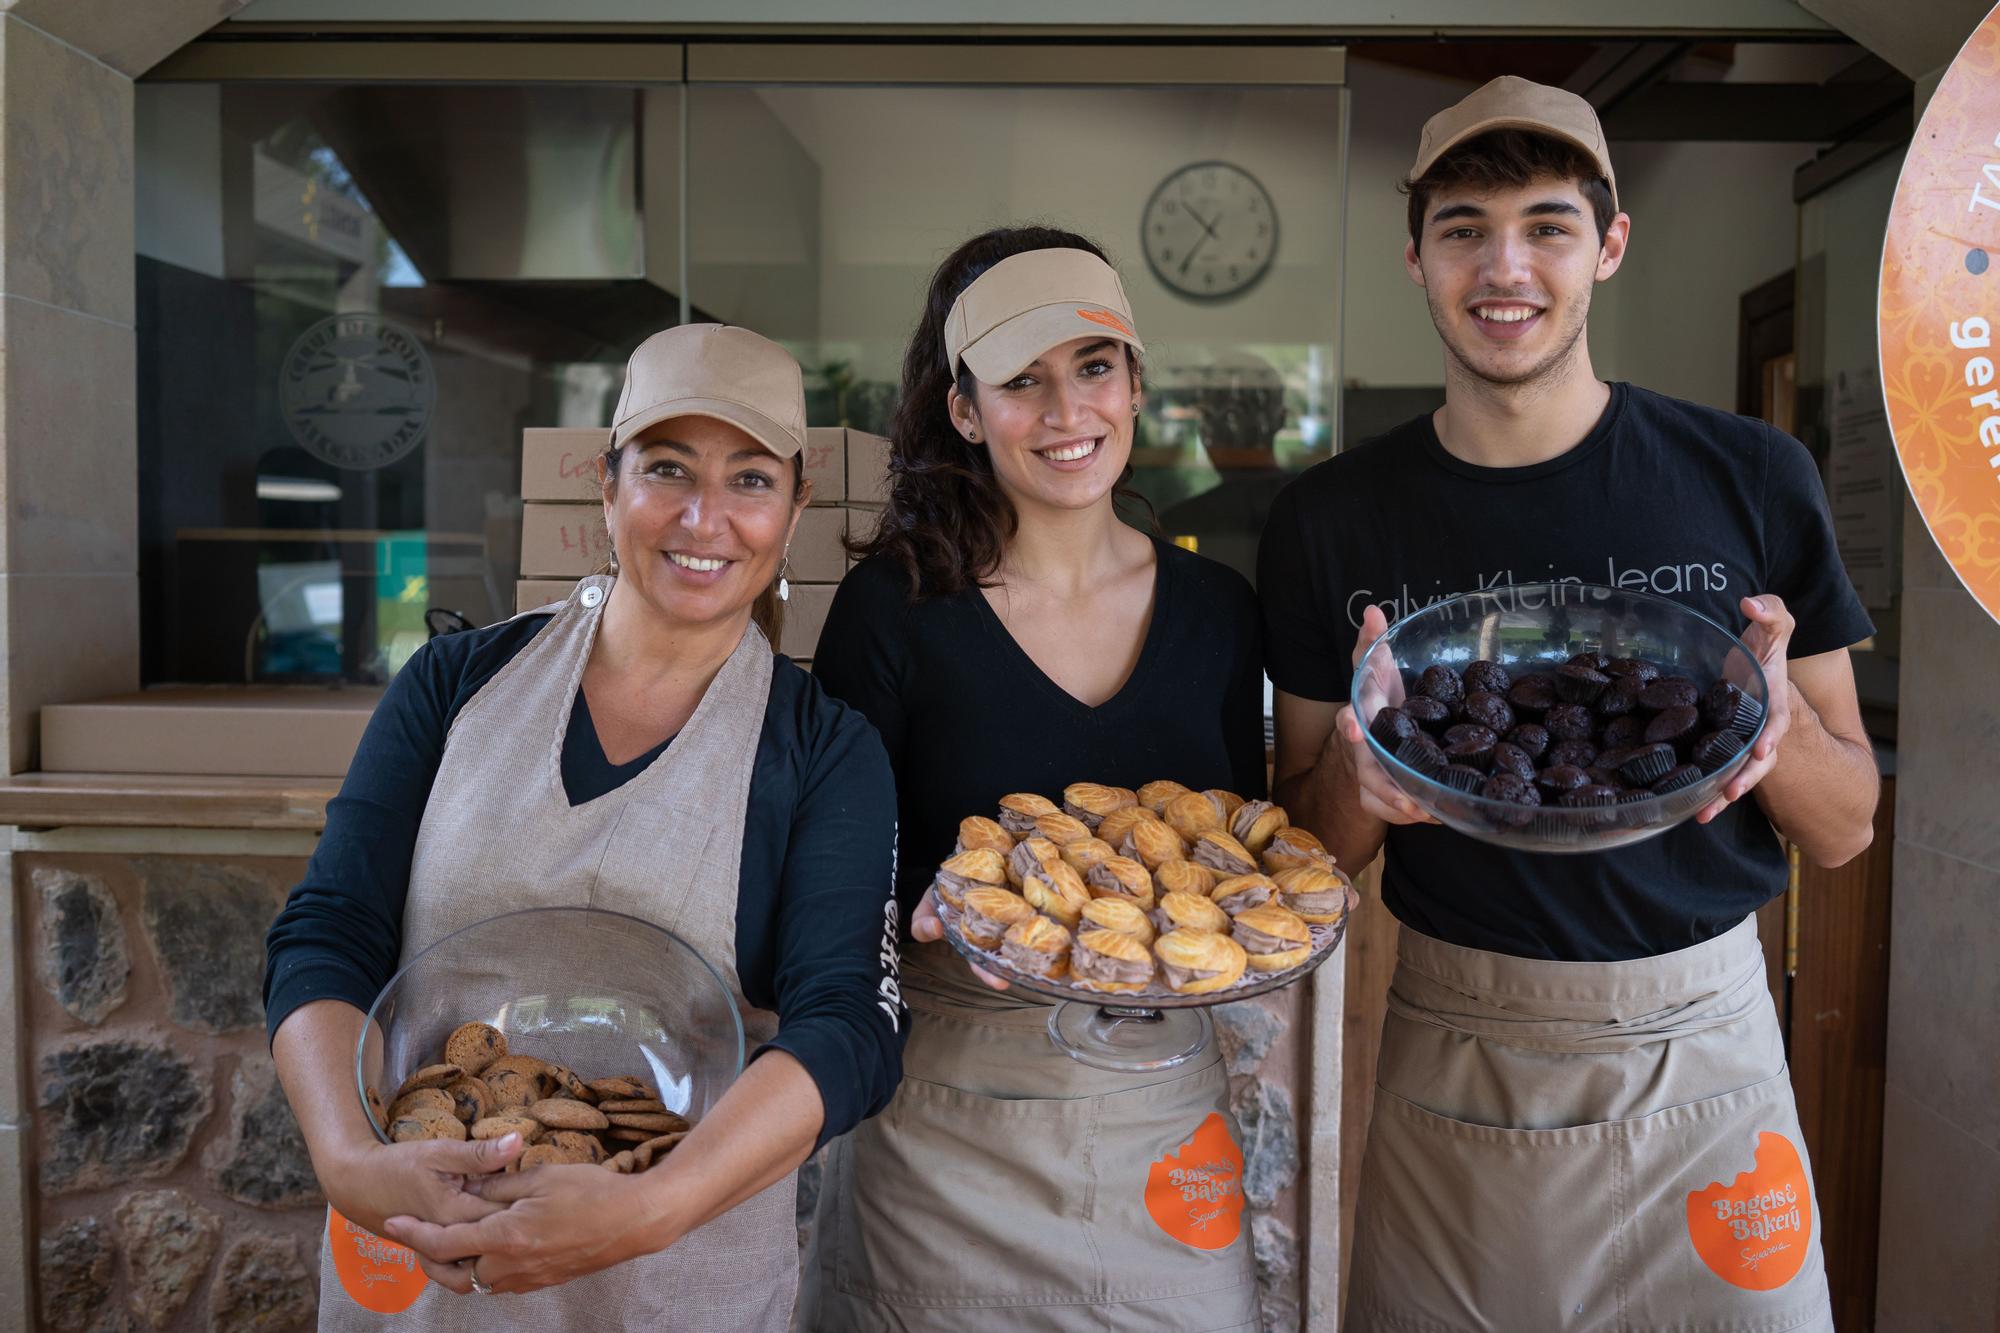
point(1209, 231)
point(357, 391)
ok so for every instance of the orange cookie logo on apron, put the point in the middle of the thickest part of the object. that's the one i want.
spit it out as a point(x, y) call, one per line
point(380, 1275)
point(1195, 1193)
point(1756, 1231)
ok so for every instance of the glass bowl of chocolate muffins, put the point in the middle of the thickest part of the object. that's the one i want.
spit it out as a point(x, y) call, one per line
point(1560, 717)
point(550, 1005)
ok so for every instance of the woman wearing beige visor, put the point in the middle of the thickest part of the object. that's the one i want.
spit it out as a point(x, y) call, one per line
point(638, 748)
point(1008, 633)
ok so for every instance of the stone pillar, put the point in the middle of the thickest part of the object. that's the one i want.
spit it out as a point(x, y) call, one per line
point(69, 534)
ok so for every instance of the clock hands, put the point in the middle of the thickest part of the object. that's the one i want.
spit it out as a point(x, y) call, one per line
point(1209, 235)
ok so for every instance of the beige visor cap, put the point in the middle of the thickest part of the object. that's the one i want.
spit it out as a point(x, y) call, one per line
point(1511, 103)
point(717, 371)
point(1030, 302)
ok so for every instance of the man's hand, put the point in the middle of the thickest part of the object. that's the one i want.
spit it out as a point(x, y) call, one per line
point(1768, 637)
point(1347, 747)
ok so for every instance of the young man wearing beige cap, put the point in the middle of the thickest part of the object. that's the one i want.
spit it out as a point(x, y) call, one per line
point(1584, 1118)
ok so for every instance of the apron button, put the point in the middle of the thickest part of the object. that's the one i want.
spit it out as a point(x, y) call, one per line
point(591, 596)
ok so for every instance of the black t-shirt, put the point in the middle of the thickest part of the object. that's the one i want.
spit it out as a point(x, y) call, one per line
point(968, 717)
point(1662, 496)
point(818, 857)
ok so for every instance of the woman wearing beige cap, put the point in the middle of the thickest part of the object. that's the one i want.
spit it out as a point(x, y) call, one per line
point(1008, 633)
point(638, 748)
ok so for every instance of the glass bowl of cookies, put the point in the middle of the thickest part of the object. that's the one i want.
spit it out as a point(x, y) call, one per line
point(600, 1038)
point(1136, 909)
point(1560, 717)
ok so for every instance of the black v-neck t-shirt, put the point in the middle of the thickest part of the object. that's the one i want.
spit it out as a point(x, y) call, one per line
point(968, 717)
point(1662, 496)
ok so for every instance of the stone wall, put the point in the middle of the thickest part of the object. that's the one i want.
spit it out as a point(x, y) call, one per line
point(171, 1188)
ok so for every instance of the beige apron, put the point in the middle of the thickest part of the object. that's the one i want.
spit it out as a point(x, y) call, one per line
point(1007, 1187)
point(499, 835)
point(1585, 1146)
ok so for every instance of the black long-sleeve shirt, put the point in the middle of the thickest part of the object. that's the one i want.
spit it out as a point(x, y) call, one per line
point(811, 908)
point(968, 717)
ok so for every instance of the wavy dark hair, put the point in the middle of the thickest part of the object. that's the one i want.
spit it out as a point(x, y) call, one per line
point(947, 522)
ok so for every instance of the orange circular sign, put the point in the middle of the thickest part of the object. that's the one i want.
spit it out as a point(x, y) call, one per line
point(1756, 1231)
point(379, 1274)
point(1195, 1192)
point(1938, 328)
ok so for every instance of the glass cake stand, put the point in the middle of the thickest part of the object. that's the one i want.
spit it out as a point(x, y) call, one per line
point(1139, 1031)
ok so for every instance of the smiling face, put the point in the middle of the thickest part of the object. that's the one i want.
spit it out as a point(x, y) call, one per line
point(700, 517)
point(1508, 275)
point(1060, 433)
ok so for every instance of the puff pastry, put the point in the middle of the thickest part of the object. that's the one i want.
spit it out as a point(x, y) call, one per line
point(1223, 854)
point(1119, 914)
point(1120, 877)
point(1316, 894)
point(1105, 960)
point(978, 831)
point(969, 870)
point(1155, 795)
point(1186, 877)
point(1037, 946)
point(1084, 853)
point(1273, 937)
point(1240, 893)
point(1029, 853)
point(1255, 823)
point(1120, 823)
point(1193, 815)
point(1056, 891)
point(1019, 811)
point(1061, 829)
point(1227, 802)
point(1184, 911)
point(1293, 848)
point(1197, 962)
point(988, 913)
point(1152, 844)
point(1092, 801)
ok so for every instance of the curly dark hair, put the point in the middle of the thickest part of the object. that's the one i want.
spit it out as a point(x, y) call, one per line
point(947, 522)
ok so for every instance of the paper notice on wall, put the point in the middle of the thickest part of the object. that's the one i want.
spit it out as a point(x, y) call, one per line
point(1863, 488)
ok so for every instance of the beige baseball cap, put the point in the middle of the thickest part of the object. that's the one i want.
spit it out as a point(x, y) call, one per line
point(1030, 302)
point(718, 371)
point(1512, 103)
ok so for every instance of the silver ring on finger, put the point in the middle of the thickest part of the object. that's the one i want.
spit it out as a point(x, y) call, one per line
point(472, 1270)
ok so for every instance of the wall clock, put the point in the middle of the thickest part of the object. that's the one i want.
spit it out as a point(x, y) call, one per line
point(1209, 231)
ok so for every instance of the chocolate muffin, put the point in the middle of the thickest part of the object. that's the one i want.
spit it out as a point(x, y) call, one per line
point(1674, 727)
point(1489, 710)
point(1560, 778)
point(1475, 751)
point(1643, 671)
point(1669, 692)
point(1392, 726)
point(1581, 754)
point(1511, 758)
point(1717, 749)
point(1532, 738)
point(1469, 731)
point(1580, 684)
point(1647, 764)
point(1623, 732)
point(1678, 777)
point(1615, 702)
point(1421, 753)
point(1487, 677)
point(1441, 683)
point(1511, 788)
point(1533, 695)
point(1632, 794)
point(1590, 660)
point(1460, 777)
point(1605, 777)
point(1727, 708)
point(1591, 794)
point(1568, 722)
point(1428, 713)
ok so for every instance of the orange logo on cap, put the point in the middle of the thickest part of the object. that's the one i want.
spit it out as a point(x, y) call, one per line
point(380, 1275)
point(1756, 1231)
point(1108, 320)
point(1195, 1193)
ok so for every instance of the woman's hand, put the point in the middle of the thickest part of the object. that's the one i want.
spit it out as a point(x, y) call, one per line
point(927, 925)
point(435, 1180)
point(548, 1225)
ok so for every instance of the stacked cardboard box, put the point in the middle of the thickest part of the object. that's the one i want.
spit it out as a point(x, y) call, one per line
point(562, 519)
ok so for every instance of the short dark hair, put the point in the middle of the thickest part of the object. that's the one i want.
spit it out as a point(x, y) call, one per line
point(1509, 159)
